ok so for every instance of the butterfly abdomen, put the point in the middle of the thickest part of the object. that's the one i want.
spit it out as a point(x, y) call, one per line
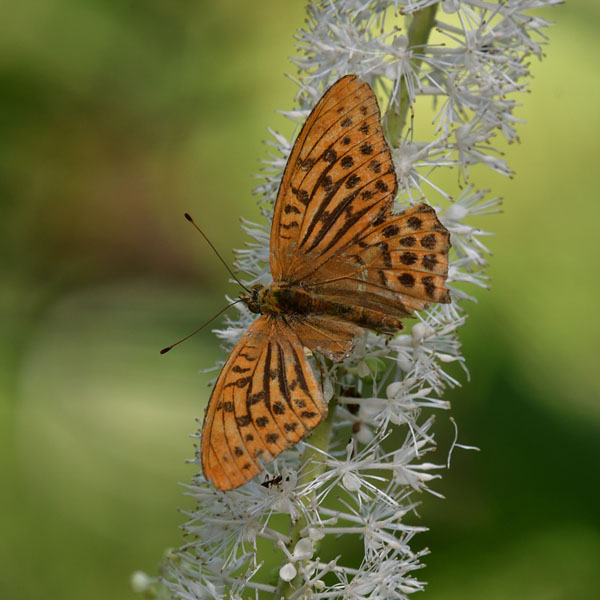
point(296, 301)
point(359, 315)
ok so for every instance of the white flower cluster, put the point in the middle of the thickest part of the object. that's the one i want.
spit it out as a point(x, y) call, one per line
point(470, 57)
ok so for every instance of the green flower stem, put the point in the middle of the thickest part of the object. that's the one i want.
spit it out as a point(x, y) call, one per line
point(422, 23)
point(315, 465)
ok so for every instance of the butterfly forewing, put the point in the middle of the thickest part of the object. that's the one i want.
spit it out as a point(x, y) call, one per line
point(338, 179)
point(291, 202)
point(266, 398)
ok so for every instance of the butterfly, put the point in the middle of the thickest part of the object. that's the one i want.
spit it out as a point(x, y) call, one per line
point(342, 262)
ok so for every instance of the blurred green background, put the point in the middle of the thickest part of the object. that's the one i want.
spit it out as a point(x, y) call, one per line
point(115, 118)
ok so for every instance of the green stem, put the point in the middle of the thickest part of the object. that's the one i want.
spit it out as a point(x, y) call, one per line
point(422, 23)
point(314, 463)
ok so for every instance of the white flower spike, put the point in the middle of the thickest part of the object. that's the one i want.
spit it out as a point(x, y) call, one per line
point(473, 70)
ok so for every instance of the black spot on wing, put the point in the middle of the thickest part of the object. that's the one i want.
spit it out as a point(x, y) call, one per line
point(429, 285)
point(390, 231)
point(385, 253)
point(352, 181)
point(414, 223)
point(347, 162)
point(330, 155)
point(375, 166)
point(240, 382)
point(428, 241)
point(302, 196)
point(255, 398)
point(326, 182)
point(278, 408)
point(305, 165)
point(243, 420)
point(366, 149)
point(290, 225)
point(407, 280)
point(429, 261)
point(408, 258)
point(308, 414)
point(381, 186)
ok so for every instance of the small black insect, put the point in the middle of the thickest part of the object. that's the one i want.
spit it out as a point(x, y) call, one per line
point(271, 482)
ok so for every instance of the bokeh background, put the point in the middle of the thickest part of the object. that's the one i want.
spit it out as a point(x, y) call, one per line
point(115, 118)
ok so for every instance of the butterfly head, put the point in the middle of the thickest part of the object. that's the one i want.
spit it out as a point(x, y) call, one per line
point(253, 299)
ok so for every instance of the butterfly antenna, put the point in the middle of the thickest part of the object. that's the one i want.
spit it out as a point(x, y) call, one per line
point(187, 337)
point(189, 218)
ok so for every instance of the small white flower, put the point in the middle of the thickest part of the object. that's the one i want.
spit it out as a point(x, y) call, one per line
point(288, 572)
point(420, 332)
point(304, 549)
point(141, 582)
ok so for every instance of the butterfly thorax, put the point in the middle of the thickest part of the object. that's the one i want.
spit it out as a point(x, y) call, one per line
point(279, 299)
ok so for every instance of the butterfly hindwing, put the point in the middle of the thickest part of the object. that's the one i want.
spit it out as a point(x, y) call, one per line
point(266, 398)
point(397, 266)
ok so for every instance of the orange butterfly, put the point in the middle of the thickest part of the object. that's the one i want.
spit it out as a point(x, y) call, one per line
point(341, 262)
